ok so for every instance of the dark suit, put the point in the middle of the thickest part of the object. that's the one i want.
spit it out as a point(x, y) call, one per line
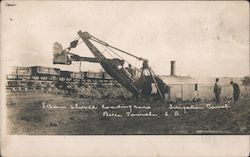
point(217, 91)
point(236, 92)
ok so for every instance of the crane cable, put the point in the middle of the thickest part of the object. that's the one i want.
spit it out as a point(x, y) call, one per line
point(107, 45)
point(151, 72)
point(107, 51)
point(109, 48)
point(119, 56)
point(139, 58)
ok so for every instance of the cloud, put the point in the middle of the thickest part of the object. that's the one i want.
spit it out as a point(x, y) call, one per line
point(205, 38)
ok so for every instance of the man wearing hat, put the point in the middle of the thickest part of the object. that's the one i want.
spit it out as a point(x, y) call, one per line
point(217, 90)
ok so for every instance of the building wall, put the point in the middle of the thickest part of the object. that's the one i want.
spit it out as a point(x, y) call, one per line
point(182, 91)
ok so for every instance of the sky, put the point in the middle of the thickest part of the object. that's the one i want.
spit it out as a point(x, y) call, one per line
point(205, 38)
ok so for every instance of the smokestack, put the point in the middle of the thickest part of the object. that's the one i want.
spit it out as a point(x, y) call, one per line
point(172, 73)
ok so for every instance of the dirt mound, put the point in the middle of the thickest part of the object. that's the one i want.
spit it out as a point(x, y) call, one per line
point(88, 91)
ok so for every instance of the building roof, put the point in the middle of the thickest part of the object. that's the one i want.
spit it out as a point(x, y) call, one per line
point(177, 80)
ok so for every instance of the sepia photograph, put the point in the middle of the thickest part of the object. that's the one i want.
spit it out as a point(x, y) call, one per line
point(125, 68)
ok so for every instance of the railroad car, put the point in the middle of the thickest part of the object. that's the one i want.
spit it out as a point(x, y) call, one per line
point(19, 73)
point(65, 76)
point(93, 75)
point(45, 73)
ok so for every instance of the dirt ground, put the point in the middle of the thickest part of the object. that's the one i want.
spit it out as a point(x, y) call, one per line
point(53, 114)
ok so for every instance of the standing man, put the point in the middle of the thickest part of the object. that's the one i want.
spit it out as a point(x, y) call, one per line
point(144, 67)
point(236, 91)
point(217, 90)
point(130, 70)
